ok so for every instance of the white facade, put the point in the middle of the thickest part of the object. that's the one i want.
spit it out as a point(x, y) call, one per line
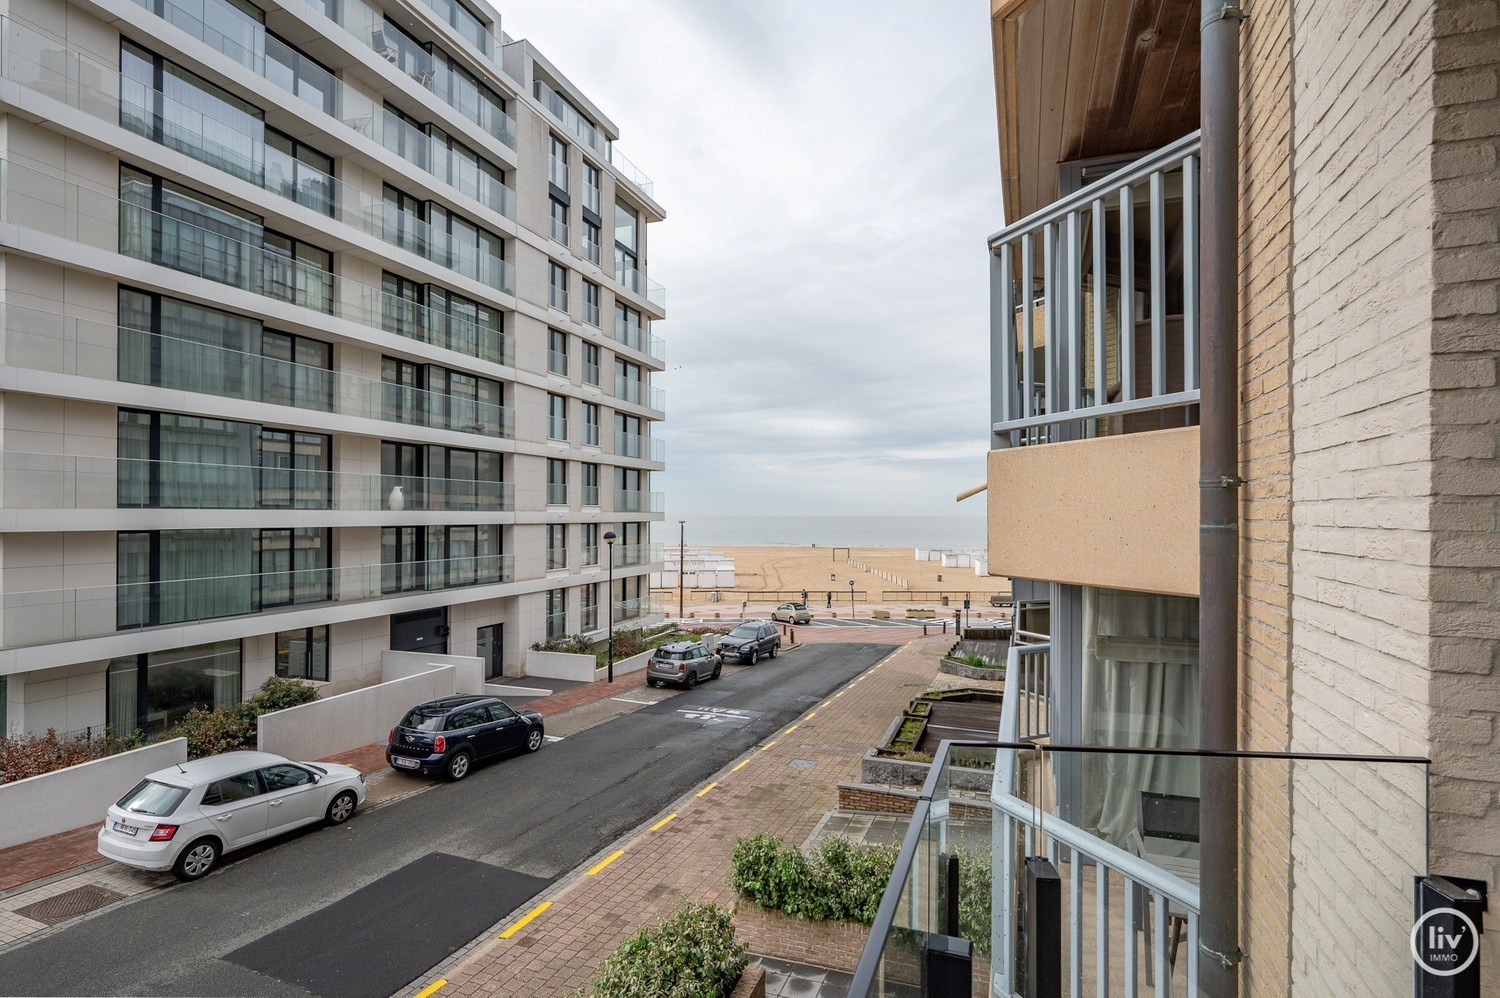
point(322, 337)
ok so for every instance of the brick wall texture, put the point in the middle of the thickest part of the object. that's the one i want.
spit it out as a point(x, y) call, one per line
point(1393, 515)
point(1265, 455)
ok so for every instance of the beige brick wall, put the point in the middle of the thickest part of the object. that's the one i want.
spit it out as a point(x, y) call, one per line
point(1464, 543)
point(1265, 464)
point(1362, 293)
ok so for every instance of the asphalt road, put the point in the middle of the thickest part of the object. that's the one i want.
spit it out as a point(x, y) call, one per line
point(533, 817)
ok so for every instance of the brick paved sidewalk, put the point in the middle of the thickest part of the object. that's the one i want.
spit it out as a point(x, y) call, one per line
point(783, 787)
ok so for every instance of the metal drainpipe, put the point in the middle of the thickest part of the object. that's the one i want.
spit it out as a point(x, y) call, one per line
point(1218, 524)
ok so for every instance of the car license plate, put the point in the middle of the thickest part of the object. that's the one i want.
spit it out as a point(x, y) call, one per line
point(404, 763)
point(125, 829)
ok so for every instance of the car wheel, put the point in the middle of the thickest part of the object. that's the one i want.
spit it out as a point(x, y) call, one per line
point(651, 683)
point(341, 808)
point(457, 767)
point(690, 681)
point(534, 739)
point(772, 652)
point(717, 669)
point(754, 656)
point(196, 860)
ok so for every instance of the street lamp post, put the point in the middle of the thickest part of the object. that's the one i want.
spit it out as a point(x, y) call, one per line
point(851, 599)
point(681, 565)
point(609, 542)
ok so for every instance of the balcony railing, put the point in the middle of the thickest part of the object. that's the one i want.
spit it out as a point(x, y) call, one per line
point(557, 623)
point(627, 610)
point(557, 493)
point(434, 243)
point(638, 446)
point(592, 137)
point(591, 495)
point(47, 616)
point(632, 501)
point(101, 219)
point(1094, 322)
point(557, 361)
point(636, 337)
point(639, 393)
point(631, 555)
point(557, 558)
point(635, 280)
point(58, 481)
point(632, 173)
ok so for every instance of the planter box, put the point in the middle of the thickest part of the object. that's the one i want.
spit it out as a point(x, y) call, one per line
point(752, 983)
point(623, 665)
point(775, 934)
point(880, 614)
point(875, 768)
point(956, 668)
point(560, 665)
point(921, 614)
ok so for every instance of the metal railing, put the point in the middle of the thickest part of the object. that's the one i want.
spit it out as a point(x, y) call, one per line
point(635, 280)
point(557, 623)
point(1084, 328)
point(557, 558)
point(633, 501)
point(557, 493)
point(637, 337)
point(640, 446)
point(59, 481)
point(47, 616)
point(1026, 714)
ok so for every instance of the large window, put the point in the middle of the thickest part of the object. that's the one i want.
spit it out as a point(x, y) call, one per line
point(557, 612)
point(628, 327)
point(170, 225)
point(151, 693)
point(629, 385)
point(591, 188)
point(591, 242)
point(557, 482)
point(557, 352)
point(430, 230)
point(591, 424)
point(171, 461)
point(440, 557)
point(557, 285)
point(429, 395)
point(557, 214)
point(172, 576)
point(557, 546)
point(590, 484)
point(178, 344)
point(591, 303)
point(303, 653)
point(627, 252)
point(591, 364)
point(557, 163)
point(427, 476)
point(591, 544)
point(433, 314)
point(588, 607)
point(557, 417)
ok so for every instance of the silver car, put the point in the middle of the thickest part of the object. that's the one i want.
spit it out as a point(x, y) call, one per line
point(792, 613)
point(184, 818)
point(684, 662)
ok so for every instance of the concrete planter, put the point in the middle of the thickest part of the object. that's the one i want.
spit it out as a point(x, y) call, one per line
point(955, 668)
point(632, 664)
point(880, 614)
point(875, 768)
point(560, 665)
point(921, 614)
point(770, 933)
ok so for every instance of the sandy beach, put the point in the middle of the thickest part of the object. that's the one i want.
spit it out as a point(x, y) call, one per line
point(880, 575)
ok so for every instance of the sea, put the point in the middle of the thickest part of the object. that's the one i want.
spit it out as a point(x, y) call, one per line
point(960, 532)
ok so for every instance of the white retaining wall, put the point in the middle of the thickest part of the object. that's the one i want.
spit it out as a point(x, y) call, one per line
point(401, 664)
point(350, 720)
point(67, 798)
point(560, 665)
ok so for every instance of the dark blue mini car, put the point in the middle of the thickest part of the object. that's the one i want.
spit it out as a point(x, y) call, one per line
point(450, 734)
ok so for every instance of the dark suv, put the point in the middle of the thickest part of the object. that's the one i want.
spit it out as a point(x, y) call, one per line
point(450, 734)
point(749, 641)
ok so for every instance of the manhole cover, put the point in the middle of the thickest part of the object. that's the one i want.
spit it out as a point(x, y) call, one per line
point(802, 764)
point(69, 904)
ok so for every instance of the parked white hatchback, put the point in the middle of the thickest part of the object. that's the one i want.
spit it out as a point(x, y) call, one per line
point(184, 818)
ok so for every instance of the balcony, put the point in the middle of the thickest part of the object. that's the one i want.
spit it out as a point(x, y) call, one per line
point(1111, 835)
point(48, 616)
point(639, 608)
point(631, 501)
point(636, 281)
point(641, 447)
point(57, 481)
point(592, 137)
point(557, 623)
point(637, 337)
point(1094, 365)
point(639, 393)
point(435, 243)
point(633, 555)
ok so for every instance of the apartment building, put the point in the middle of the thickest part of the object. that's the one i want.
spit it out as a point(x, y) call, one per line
point(1364, 345)
point(327, 332)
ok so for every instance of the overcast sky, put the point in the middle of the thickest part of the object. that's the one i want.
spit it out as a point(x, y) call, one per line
point(829, 171)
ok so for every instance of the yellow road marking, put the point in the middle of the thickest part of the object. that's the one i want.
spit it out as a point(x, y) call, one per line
point(433, 988)
point(812, 714)
point(605, 862)
point(706, 789)
point(526, 918)
point(839, 693)
point(791, 729)
point(767, 745)
point(741, 765)
point(662, 822)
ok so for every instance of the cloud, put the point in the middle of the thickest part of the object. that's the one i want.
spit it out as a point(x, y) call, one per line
point(830, 173)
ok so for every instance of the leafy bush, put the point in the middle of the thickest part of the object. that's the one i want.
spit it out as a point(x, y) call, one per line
point(30, 755)
point(228, 729)
point(569, 644)
point(976, 661)
point(841, 881)
point(693, 954)
point(975, 873)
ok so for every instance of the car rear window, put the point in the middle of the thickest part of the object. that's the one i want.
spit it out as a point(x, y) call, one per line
point(674, 656)
point(419, 721)
point(153, 798)
point(745, 631)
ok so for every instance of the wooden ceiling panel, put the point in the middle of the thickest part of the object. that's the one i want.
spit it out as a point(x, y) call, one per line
point(1076, 79)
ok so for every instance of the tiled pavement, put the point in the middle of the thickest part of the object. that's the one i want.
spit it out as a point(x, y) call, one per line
point(554, 945)
point(798, 980)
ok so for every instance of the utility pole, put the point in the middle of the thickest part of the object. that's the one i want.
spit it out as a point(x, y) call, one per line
point(681, 565)
point(851, 599)
point(609, 541)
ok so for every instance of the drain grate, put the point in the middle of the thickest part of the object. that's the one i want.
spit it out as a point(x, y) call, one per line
point(802, 764)
point(69, 904)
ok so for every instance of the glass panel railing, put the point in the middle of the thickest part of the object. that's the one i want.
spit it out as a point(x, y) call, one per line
point(557, 558)
point(637, 337)
point(630, 172)
point(591, 495)
point(57, 481)
point(33, 199)
point(557, 362)
point(557, 493)
point(557, 623)
point(1096, 853)
point(642, 447)
point(627, 610)
point(574, 123)
point(434, 243)
point(47, 616)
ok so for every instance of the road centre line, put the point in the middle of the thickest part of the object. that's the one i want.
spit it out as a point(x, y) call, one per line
point(525, 919)
point(593, 870)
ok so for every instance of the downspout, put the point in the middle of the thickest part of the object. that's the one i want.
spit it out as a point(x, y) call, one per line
point(1218, 499)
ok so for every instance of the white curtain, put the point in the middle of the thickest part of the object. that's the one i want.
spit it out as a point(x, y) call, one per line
point(1140, 690)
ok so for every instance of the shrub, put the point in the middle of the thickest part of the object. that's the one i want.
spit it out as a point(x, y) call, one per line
point(279, 693)
point(570, 644)
point(840, 881)
point(228, 729)
point(30, 755)
point(693, 954)
point(975, 873)
point(977, 661)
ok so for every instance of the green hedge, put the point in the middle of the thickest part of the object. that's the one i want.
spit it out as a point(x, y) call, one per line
point(840, 881)
point(227, 729)
point(693, 954)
